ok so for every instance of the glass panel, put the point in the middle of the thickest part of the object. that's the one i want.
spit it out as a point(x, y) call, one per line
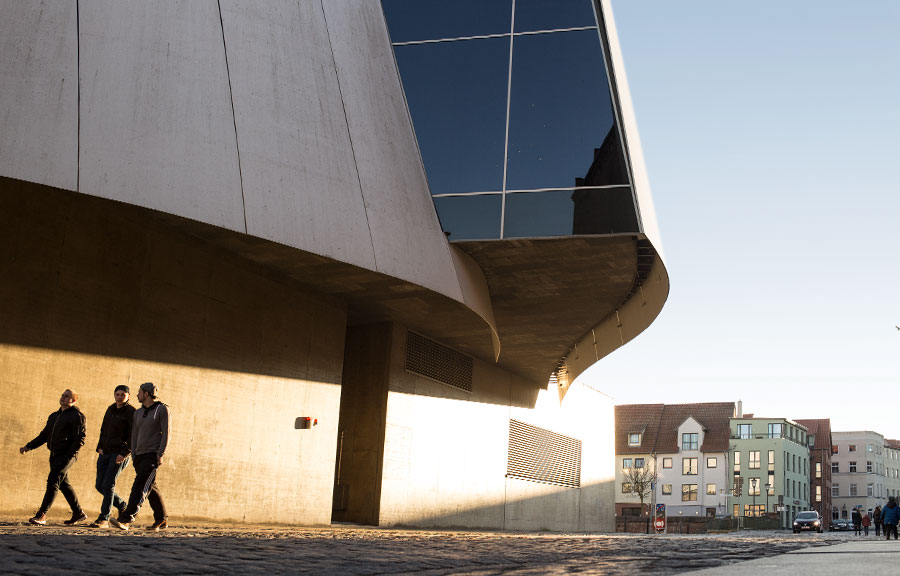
point(552, 14)
point(470, 217)
point(410, 20)
point(566, 212)
point(457, 98)
point(561, 119)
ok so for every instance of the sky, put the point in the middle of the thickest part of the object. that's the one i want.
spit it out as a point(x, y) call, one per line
point(771, 135)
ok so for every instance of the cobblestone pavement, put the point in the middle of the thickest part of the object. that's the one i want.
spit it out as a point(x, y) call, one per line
point(198, 548)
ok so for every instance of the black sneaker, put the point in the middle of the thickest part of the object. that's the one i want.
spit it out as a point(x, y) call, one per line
point(76, 518)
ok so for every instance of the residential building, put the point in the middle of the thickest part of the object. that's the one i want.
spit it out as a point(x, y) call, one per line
point(363, 248)
point(863, 471)
point(687, 445)
point(770, 467)
point(820, 446)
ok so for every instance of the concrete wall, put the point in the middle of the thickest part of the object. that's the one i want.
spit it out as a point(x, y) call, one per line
point(445, 453)
point(94, 295)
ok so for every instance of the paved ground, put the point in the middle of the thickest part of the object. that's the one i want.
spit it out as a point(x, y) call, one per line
point(208, 548)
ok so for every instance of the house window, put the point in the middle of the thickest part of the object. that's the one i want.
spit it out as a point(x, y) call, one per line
point(812, 440)
point(754, 487)
point(771, 460)
point(634, 439)
point(835, 468)
point(818, 493)
point(870, 490)
point(835, 449)
point(626, 487)
point(868, 466)
point(743, 431)
point(818, 469)
point(869, 448)
point(690, 441)
point(712, 462)
point(852, 466)
point(667, 462)
point(737, 510)
point(754, 460)
point(754, 510)
point(835, 489)
point(737, 462)
point(689, 466)
point(853, 490)
point(638, 462)
point(688, 492)
point(852, 448)
point(771, 490)
point(626, 463)
point(667, 489)
point(710, 489)
point(774, 430)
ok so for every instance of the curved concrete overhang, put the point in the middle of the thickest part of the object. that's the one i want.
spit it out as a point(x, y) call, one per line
point(562, 304)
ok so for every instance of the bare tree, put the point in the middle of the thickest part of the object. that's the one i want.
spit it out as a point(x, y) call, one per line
point(641, 481)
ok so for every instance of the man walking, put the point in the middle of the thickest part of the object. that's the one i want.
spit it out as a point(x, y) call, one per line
point(114, 447)
point(890, 515)
point(64, 435)
point(149, 437)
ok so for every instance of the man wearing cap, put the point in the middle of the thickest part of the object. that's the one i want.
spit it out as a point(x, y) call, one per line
point(149, 437)
point(64, 435)
point(113, 447)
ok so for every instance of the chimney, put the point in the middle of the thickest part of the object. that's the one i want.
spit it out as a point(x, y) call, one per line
point(739, 411)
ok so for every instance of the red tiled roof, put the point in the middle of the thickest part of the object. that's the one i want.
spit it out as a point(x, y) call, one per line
point(895, 444)
point(659, 424)
point(821, 428)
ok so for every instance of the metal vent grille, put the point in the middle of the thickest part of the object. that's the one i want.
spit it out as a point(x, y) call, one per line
point(427, 358)
point(543, 456)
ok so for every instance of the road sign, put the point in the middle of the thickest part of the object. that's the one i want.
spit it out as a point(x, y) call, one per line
point(660, 524)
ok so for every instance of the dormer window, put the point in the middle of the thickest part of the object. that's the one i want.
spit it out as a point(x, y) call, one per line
point(690, 441)
point(634, 439)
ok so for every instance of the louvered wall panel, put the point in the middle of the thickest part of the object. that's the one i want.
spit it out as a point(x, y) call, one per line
point(543, 456)
point(427, 358)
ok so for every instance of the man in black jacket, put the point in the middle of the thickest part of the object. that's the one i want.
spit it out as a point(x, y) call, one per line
point(114, 447)
point(64, 436)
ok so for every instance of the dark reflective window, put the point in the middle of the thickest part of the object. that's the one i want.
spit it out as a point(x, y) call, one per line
point(567, 212)
point(470, 217)
point(457, 98)
point(553, 14)
point(560, 109)
point(411, 20)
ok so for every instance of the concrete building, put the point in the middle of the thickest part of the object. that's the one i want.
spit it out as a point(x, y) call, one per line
point(229, 198)
point(863, 471)
point(770, 460)
point(687, 445)
point(820, 447)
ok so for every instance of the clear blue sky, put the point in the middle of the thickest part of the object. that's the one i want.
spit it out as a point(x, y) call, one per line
point(771, 132)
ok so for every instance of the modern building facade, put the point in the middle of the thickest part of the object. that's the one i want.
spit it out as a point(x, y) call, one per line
point(820, 484)
point(687, 445)
point(253, 206)
point(770, 468)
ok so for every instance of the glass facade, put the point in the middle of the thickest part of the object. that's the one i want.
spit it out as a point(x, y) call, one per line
point(512, 108)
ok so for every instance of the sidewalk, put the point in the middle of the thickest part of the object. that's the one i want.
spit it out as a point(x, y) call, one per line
point(853, 557)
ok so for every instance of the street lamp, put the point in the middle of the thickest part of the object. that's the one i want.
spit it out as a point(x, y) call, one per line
point(768, 487)
point(754, 483)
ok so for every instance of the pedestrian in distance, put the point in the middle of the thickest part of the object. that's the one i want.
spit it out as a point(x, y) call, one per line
point(114, 448)
point(149, 438)
point(857, 522)
point(876, 519)
point(890, 515)
point(866, 522)
point(64, 436)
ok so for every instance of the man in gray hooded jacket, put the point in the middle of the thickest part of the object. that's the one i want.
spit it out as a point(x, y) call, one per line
point(149, 438)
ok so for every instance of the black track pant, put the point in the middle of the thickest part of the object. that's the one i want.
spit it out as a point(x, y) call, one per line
point(144, 486)
point(58, 481)
point(888, 529)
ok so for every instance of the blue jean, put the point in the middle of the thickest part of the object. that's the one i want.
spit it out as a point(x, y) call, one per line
point(107, 474)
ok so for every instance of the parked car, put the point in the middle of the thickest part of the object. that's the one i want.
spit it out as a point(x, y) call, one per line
point(841, 525)
point(809, 520)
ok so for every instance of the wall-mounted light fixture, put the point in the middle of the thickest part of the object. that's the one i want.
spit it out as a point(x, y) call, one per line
point(305, 423)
